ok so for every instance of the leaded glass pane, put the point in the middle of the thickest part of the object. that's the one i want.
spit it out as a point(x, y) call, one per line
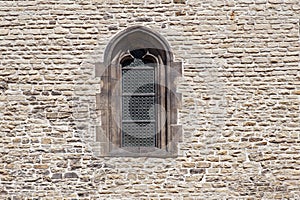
point(138, 134)
point(138, 81)
point(138, 104)
point(137, 63)
point(139, 108)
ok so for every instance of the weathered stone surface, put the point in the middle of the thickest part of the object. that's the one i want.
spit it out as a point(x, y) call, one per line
point(41, 166)
point(70, 175)
point(197, 171)
point(56, 176)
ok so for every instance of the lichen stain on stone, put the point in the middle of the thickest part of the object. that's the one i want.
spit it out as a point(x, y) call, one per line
point(180, 13)
point(232, 15)
point(3, 87)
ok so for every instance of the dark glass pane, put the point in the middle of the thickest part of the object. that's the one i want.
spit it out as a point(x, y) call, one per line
point(138, 53)
point(138, 134)
point(127, 61)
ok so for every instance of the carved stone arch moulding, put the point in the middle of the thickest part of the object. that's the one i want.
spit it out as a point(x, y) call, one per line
point(138, 44)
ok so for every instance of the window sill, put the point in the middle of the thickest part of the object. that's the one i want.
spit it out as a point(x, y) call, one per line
point(153, 152)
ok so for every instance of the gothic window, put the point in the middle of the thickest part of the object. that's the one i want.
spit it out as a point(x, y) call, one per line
point(138, 100)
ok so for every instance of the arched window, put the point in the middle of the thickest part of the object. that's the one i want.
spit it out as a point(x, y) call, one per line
point(138, 99)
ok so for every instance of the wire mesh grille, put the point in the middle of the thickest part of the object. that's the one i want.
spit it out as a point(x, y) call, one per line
point(138, 134)
point(138, 81)
point(138, 105)
point(139, 108)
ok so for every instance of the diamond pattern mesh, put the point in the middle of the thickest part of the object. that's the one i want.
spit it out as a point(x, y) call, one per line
point(138, 108)
point(138, 105)
point(138, 134)
point(138, 81)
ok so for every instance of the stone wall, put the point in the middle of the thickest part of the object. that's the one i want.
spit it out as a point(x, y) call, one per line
point(240, 112)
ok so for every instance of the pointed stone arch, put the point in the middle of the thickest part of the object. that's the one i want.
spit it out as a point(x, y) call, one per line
point(143, 37)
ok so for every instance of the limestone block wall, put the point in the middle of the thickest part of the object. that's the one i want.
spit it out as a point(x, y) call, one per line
point(240, 111)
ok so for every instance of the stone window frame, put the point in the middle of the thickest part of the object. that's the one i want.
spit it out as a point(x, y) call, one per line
point(108, 134)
